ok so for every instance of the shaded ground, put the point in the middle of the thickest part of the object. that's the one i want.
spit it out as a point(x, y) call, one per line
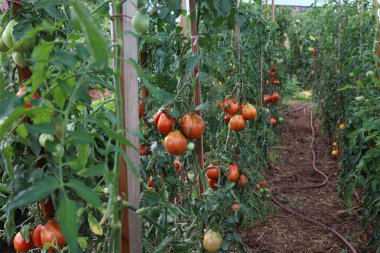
point(284, 233)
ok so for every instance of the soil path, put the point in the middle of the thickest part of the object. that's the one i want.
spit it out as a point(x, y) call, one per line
point(285, 233)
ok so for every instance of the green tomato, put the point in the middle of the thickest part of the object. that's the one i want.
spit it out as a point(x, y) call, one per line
point(281, 119)
point(351, 74)
point(190, 146)
point(10, 40)
point(190, 175)
point(44, 138)
point(360, 98)
point(59, 151)
point(140, 23)
point(20, 59)
point(266, 110)
point(370, 73)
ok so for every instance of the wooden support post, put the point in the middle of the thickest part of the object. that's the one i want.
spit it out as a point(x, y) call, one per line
point(273, 10)
point(129, 186)
point(377, 49)
point(266, 10)
point(183, 18)
point(197, 92)
point(261, 64)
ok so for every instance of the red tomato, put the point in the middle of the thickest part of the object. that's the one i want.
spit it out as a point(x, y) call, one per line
point(212, 183)
point(175, 143)
point(151, 182)
point(165, 123)
point(141, 110)
point(51, 233)
point(275, 82)
point(273, 121)
point(237, 123)
point(267, 99)
point(193, 126)
point(258, 187)
point(20, 244)
point(230, 106)
point(157, 117)
point(213, 173)
point(233, 172)
point(242, 181)
point(235, 207)
point(227, 118)
point(37, 237)
point(248, 111)
point(274, 97)
point(27, 103)
point(145, 150)
point(264, 184)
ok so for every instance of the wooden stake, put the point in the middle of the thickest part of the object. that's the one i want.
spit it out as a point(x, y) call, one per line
point(273, 10)
point(266, 10)
point(197, 92)
point(376, 8)
point(183, 18)
point(129, 186)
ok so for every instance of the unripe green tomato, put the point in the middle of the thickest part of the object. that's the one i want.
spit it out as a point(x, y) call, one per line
point(190, 175)
point(360, 98)
point(261, 190)
point(190, 146)
point(10, 40)
point(280, 119)
point(266, 110)
point(351, 74)
point(59, 151)
point(44, 138)
point(140, 22)
point(19, 59)
point(370, 73)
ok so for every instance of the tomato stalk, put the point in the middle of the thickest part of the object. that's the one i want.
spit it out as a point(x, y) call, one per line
point(199, 169)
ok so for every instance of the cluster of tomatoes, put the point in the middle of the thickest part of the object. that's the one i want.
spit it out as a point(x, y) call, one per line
point(175, 142)
point(21, 47)
point(237, 121)
point(49, 234)
point(214, 174)
point(263, 188)
point(272, 99)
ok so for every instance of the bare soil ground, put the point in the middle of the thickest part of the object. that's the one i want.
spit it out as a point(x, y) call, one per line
point(285, 233)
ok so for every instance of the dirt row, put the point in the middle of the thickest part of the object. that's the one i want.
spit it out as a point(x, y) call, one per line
point(284, 232)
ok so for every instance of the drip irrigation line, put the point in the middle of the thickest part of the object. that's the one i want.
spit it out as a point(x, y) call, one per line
point(319, 185)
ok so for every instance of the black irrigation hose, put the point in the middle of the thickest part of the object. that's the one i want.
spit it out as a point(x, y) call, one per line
point(326, 179)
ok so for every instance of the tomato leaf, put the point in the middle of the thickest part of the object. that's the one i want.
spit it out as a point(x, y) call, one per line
point(10, 225)
point(41, 128)
point(94, 225)
point(88, 194)
point(223, 7)
point(40, 69)
point(163, 245)
point(38, 190)
point(192, 61)
point(68, 222)
point(94, 37)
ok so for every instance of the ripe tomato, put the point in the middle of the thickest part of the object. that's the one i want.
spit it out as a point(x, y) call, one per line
point(273, 121)
point(227, 118)
point(230, 106)
point(264, 184)
point(258, 186)
point(212, 241)
point(233, 172)
point(51, 233)
point(20, 244)
point(213, 173)
point(235, 207)
point(177, 165)
point(275, 82)
point(335, 153)
point(341, 126)
point(212, 183)
point(140, 22)
point(175, 143)
point(36, 238)
point(145, 150)
point(242, 181)
point(267, 99)
point(151, 183)
point(248, 111)
point(272, 71)
point(157, 117)
point(27, 103)
point(165, 123)
point(274, 97)
point(141, 110)
point(237, 123)
point(193, 126)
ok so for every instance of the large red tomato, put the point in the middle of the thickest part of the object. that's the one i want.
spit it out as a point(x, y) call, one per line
point(212, 183)
point(145, 150)
point(233, 172)
point(20, 244)
point(230, 106)
point(213, 173)
point(193, 126)
point(51, 233)
point(227, 118)
point(237, 123)
point(27, 103)
point(157, 117)
point(141, 110)
point(37, 237)
point(273, 121)
point(212, 241)
point(274, 97)
point(248, 111)
point(267, 99)
point(165, 123)
point(175, 143)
